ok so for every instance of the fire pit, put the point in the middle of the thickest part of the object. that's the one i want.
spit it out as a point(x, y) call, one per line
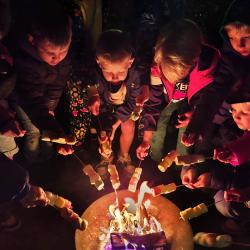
point(178, 232)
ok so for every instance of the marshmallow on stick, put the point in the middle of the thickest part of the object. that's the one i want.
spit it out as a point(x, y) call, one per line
point(196, 211)
point(57, 201)
point(167, 161)
point(163, 189)
point(134, 180)
point(94, 177)
point(65, 208)
point(213, 240)
point(114, 176)
point(76, 221)
point(187, 160)
point(52, 137)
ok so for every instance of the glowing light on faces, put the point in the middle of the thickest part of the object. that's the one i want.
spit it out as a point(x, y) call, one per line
point(52, 54)
point(175, 70)
point(239, 39)
point(241, 115)
point(115, 72)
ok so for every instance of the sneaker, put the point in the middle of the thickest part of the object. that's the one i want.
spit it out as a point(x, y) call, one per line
point(102, 166)
point(234, 227)
point(9, 223)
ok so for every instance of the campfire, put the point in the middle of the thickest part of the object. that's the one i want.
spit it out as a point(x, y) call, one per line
point(127, 220)
point(132, 226)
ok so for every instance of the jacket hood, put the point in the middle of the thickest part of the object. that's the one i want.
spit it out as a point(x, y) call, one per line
point(238, 11)
point(29, 48)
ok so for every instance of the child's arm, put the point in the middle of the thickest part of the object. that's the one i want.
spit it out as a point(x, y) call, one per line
point(207, 175)
point(8, 125)
point(235, 153)
point(217, 91)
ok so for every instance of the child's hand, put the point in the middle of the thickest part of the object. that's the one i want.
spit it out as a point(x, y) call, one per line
point(143, 97)
point(202, 181)
point(12, 129)
point(237, 195)
point(225, 155)
point(64, 149)
point(36, 196)
point(189, 178)
point(94, 105)
point(114, 128)
point(188, 140)
point(184, 119)
point(142, 150)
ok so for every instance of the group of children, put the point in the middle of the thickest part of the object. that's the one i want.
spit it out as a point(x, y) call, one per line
point(189, 83)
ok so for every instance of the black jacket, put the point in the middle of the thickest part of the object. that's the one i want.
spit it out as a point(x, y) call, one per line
point(232, 79)
point(39, 86)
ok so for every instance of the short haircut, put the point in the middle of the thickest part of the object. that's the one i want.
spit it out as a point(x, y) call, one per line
point(50, 21)
point(114, 45)
point(179, 42)
point(237, 25)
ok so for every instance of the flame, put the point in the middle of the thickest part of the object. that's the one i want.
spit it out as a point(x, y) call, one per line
point(133, 218)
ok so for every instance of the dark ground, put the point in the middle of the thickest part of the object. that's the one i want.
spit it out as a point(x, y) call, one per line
point(44, 229)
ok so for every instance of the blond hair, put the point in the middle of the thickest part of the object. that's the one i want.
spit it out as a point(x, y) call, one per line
point(177, 48)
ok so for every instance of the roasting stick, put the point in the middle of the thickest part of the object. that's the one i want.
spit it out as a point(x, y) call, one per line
point(240, 244)
point(213, 203)
point(139, 165)
point(94, 177)
point(78, 159)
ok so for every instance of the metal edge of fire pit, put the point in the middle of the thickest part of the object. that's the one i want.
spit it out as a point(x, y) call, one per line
point(177, 231)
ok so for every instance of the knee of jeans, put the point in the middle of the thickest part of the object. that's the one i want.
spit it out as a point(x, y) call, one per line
point(228, 209)
point(34, 132)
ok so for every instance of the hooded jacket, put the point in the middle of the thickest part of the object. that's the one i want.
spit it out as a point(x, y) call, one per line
point(231, 79)
point(39, 85)
point(198, 79)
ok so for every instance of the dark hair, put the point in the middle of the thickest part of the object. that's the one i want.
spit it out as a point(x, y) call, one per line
point(114, 45)
point(49, 21)
point(181, 39)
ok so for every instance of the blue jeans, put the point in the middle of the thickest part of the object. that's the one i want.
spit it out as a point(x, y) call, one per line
point(34, 149)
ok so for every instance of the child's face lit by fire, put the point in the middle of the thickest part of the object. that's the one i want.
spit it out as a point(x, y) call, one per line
point(52, 54)
point(239, 39)
point(115, 72)
point(48, 52)
point(241, 115)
